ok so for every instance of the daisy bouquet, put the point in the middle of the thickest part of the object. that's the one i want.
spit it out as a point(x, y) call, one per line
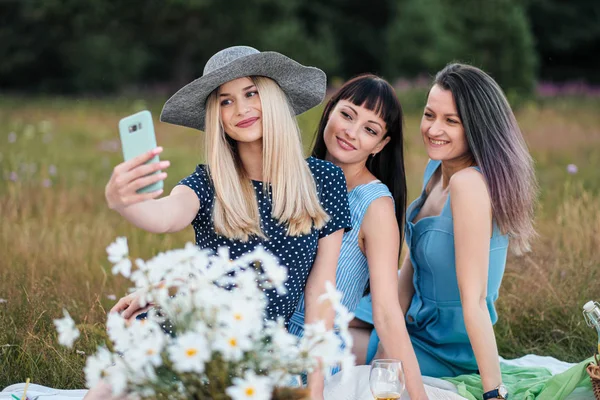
point(205, 336)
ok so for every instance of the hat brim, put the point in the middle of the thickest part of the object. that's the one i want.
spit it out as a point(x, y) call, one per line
point(304, 86)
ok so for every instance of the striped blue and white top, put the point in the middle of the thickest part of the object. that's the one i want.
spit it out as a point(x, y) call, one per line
point(352, 273)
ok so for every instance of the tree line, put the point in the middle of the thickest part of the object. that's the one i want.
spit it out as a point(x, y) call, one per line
point(105, 46)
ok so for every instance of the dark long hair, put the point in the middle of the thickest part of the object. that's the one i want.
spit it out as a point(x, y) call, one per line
point(498, 147)
point(377, 95)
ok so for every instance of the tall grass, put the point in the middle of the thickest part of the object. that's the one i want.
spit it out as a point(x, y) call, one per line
point(57, 154)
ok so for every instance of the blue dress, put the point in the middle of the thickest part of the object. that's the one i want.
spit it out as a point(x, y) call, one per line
point(434, 319)
point(296, 253)
point(352, 275)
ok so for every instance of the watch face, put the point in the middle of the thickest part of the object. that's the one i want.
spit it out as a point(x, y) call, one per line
point(502, 391)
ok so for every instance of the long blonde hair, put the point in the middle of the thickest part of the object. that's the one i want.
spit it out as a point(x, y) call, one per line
point(294, 195)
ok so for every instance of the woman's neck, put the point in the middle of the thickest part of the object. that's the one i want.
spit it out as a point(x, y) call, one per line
point(251, 156)
point(355, 173)
point(451, 167)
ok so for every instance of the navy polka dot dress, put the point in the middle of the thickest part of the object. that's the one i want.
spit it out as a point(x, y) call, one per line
point(297, 253)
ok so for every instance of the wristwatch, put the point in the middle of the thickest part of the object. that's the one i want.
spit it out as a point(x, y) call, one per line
point(499, 392)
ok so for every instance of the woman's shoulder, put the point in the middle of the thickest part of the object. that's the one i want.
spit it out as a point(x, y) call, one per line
point(325, 172)
point(200, 173)
point(468, 178)
point(322, 167)
point(371, 191)
point(199, 180)
point(469, 189)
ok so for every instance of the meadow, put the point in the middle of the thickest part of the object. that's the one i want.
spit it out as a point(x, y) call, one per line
point(57, 154)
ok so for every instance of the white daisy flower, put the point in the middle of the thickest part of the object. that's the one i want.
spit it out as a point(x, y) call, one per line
point(147, 350)
point(232, 345)
point(331, 294)
point(67, 331)
point(251, 387)
point(122, 267)
point(117, 250)
point(95, 366)
point(117, 332)
point(189, 352)
point(243, 316)
point(116, 376)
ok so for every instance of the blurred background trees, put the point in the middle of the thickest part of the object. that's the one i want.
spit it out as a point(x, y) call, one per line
point(107, 46)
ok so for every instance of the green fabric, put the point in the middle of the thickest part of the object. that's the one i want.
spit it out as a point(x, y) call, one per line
point(527, 383)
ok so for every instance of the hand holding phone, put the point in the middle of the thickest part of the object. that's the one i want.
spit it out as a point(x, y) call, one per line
point(139, 178)
point(137, 138)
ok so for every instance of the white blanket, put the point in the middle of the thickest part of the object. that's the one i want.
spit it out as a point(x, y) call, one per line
point(353, 386)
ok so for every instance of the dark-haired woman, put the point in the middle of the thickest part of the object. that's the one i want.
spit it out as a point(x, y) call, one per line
point(479, 191)
point(361, 132)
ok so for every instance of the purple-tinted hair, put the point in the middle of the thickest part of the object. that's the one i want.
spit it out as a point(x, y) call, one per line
point(498, 148)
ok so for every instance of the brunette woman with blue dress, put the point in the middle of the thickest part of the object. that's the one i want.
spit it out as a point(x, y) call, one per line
point(361, 132)
point(478, 195)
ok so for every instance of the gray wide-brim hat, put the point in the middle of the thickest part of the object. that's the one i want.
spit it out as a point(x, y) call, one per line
point(304, 86)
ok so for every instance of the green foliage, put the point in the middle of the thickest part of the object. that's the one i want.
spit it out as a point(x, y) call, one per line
point(106, 46)
point(495, 36)
point(418, 39)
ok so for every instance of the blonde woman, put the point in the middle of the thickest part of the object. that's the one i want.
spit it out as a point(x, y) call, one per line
point(256, 188)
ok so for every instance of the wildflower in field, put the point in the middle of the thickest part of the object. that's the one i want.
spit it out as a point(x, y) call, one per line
point(52, 170)
point(276, 274)
point(285, 346)
point(12, 137)
point(117, 332)
point(242, 314)
point(2, 301)
point(215, 306)
point(189, 352)
point(45, 126)
point(572, 169)
point(117, 254)
point(103, 365)
point(251, 387)
point(29, 132)
point(117, 250)
point(111, 297)
point(147, 350)
point(46, 183)
point(331, 294)
point(67, 332)
point(13, 177)
point(123, 267)
point(95, 366)
point(81, 353)
point(232, 344)
point(324, 345)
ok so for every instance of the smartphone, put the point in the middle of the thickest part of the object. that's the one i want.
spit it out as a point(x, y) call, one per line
point(137, 137)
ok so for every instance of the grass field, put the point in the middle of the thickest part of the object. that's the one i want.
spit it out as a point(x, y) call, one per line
point(56, 155)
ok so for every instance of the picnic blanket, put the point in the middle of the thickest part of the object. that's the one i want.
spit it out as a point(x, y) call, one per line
point(541, 378)
point(528, 377)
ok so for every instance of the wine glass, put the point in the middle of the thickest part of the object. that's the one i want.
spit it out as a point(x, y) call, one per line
point(386, 379)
